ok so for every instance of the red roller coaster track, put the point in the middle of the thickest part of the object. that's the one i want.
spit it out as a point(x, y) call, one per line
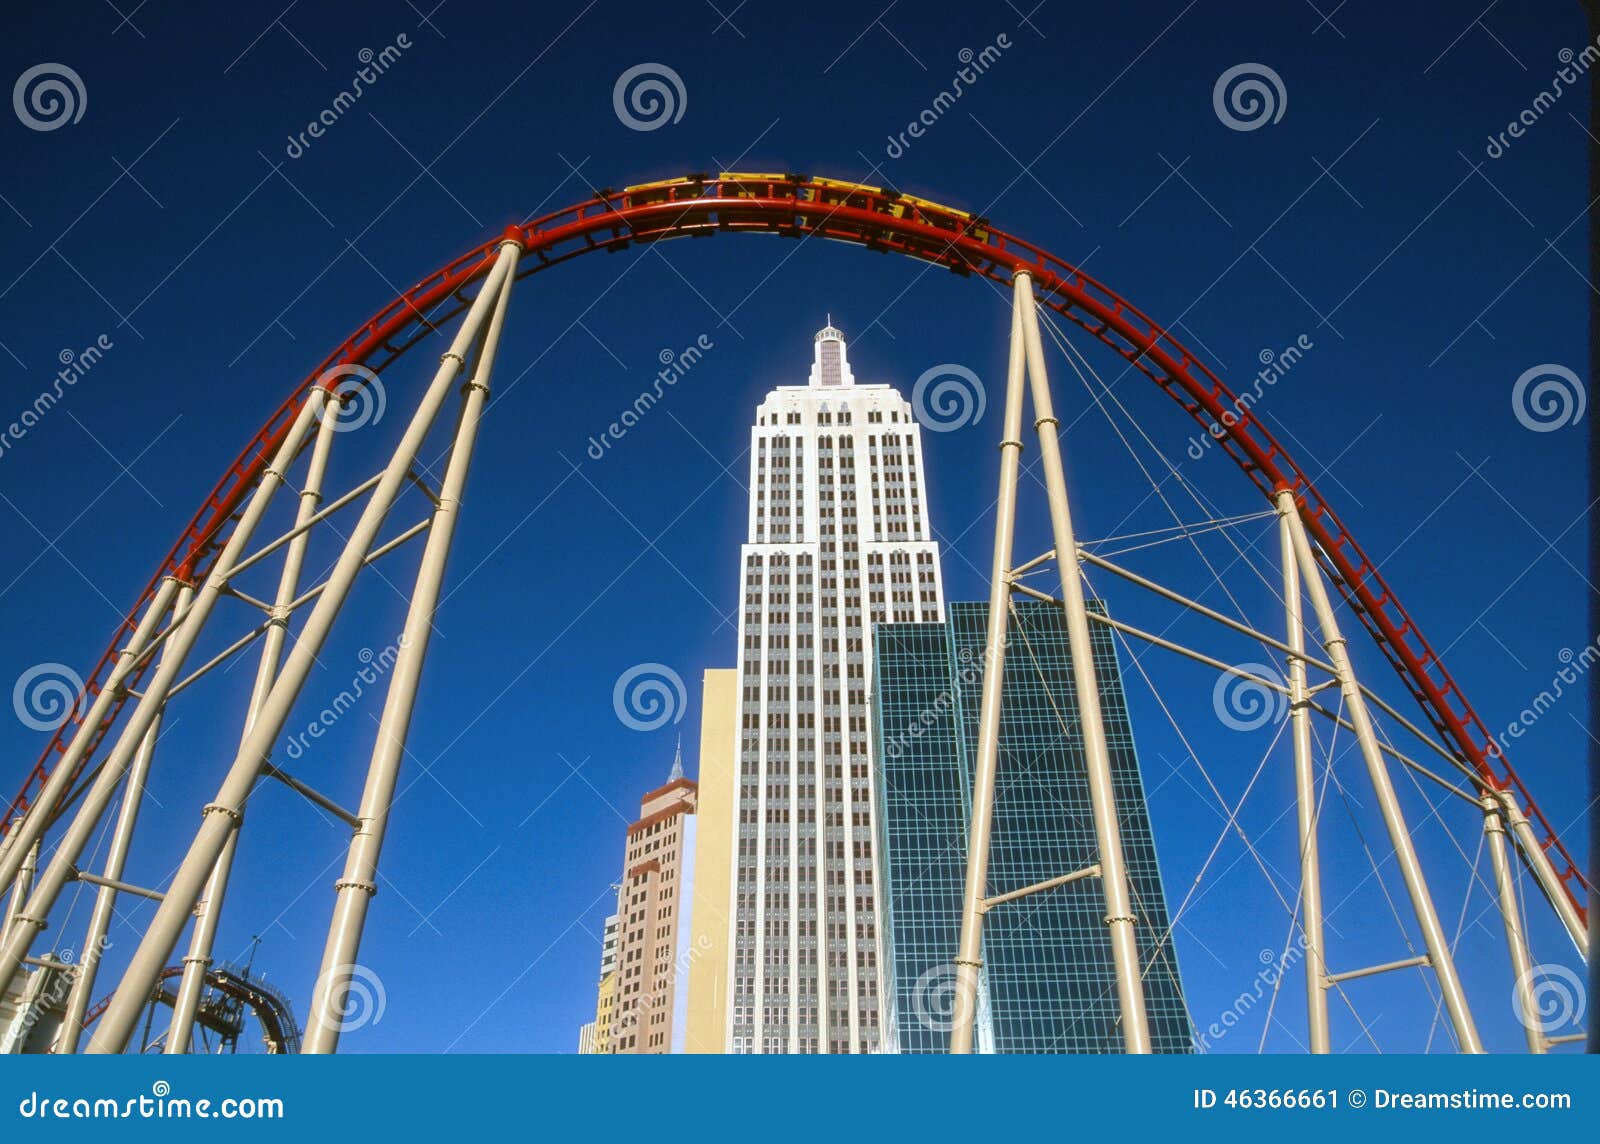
point(802, 207)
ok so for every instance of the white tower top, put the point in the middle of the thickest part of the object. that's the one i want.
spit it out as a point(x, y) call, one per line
point(830, 367)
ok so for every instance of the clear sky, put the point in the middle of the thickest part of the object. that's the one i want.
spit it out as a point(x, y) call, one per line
point(176, 220)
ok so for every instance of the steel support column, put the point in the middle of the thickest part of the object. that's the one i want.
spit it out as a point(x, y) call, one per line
point(175, 649)
point(1511, 918)
point(208, 910)
point(1305, 787)
point(1027, 359)
point(222, 814)
point(105, 899)
point(969, 958)
point(32, 827)
point(1119, 918)
point(1533, 853)
point(1439, 955)
point(20, 887)
point(359, 882)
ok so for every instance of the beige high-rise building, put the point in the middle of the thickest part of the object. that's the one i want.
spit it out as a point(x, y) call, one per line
point(653, 938)
point(706, 1021)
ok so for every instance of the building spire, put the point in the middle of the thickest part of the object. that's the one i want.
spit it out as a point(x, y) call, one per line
point(830, 367)
point(677, 762)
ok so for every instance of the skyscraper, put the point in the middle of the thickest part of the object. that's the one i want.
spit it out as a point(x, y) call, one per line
point(838, 540)
point(1048, 984)
point(706, 1021)
point(652, 979)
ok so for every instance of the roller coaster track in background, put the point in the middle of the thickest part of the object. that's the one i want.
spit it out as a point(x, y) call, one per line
point(270, 1006)
point(884, 221)
point(802, 207)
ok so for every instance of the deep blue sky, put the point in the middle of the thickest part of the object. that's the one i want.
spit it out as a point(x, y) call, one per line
point(1426, 277)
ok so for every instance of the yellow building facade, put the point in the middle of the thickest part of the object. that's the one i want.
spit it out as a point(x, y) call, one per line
point(604, 1005)
point(709, 920)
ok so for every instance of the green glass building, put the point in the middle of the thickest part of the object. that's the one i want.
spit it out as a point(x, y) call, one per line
point(1048, 985)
